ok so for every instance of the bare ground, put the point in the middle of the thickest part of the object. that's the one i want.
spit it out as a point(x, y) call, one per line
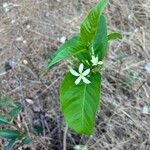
point(30, 31)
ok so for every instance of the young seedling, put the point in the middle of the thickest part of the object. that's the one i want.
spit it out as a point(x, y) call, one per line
point(80, 90)
point(10, 129)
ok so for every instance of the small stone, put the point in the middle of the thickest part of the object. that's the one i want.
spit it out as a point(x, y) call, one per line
point(24, 41)
point(25, 62)
point(63, 39)
point(29, 101)
point(145, 110)
point(19, 39)
point(129, 17)
point(13, 21)
point(36, 108)
point(28, 26)
point(5, 5)
point(147, 67)
point(136, 30)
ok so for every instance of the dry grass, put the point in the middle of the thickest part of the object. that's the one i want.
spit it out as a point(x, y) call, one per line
point(29, 31)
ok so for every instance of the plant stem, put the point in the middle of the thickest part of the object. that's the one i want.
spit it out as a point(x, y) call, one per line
point(65, 138)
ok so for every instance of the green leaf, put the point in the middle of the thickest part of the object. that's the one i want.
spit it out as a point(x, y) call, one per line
point(70, 48)
point(3, 120)
point(10, 144)
point(84, 56)
point(89, 25)
point(114, 36)
point(6, 101)
point(100, 42)
point(9, 134)
point(15, 111)
point(37, 129)
point(79, 103)
point(26, 140)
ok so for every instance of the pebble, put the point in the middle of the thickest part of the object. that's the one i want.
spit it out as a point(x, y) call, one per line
point(19, 39)
point(63, 39)
point(29, 101)
point(146, 110)
point(28, 26)
point(25, 62)
point(147, 67)
point(13, 21)
point(5, 5)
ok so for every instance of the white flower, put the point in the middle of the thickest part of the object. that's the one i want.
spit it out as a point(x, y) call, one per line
point(81, 75)
point(95, 61)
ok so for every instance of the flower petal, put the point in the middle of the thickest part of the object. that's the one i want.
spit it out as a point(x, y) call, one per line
point(100, 63)
point(81, 68)
point(73, 72)
point(86, 72)
point(94, 60)
point(78, 80)
point(85, 80)
point(94, 64)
